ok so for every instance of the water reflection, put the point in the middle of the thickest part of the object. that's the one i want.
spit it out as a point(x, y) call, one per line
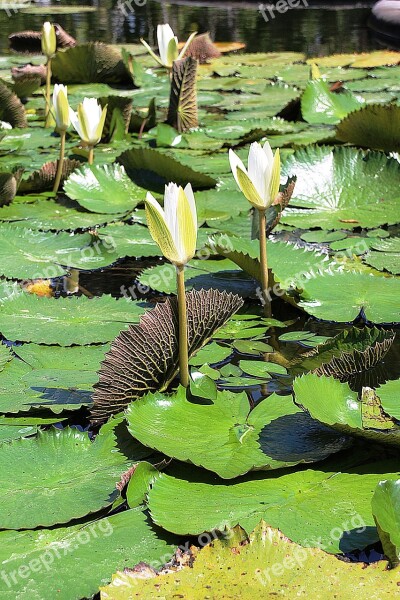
point(314, 31)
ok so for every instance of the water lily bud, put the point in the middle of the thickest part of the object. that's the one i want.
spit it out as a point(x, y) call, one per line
point(62, 110)
point(260, 182)
point(167, 46)
point(89, 121)
point(174, 229)
point(49, 39)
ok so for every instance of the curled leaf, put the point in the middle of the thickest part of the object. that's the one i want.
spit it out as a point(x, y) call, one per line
point(145, 358)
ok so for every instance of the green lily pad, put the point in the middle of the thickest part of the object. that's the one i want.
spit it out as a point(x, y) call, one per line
point(72, 477)
point(14, 432)
point(341, 186)
point(259, 368)
point(104, 189)
point(225, 436)
point(374, 126)
point(50, 215)
point(340, 296)
point(65, 321)
point(344, 411)
point(322, 237)
point(385, 255)
point(152, 169)
point(305, 505)
point(30, 558)
point(211, 354)
point(385, 508)
point(389, 394)
point(320, 105)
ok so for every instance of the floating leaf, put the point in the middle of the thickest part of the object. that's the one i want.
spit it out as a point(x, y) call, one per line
point(385, 255)
point(386, 510)
point(306, 505)
point(93, 62)
point(65, 321)
point(72, 477)
point(320, 105)
point(344, 411)
point(251, 565)
point(152, 170)
point(145, 358)
point(389, 394)
point(374, 126)
point(182, 111)
point(104, 189)
point(340, 296)
point(341, 185)
point(123, 538)
point(225, 436)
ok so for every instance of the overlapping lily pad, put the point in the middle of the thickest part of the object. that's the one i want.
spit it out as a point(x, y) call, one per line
point(123, 538)
point(342, 187)
point(305, 505)
point(341, 296)
point(232, 561)
point(71, 477)
point(226, 437)
point(65, 321)
point(104, 189)
point(336, 405)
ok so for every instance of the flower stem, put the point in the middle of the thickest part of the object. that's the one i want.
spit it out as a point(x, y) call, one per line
point(48, 85)
point(183, 330)
point(91, 155)
point(60, 163)
point(263, 255)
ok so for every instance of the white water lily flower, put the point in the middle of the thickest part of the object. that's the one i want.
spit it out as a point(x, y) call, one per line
point(174, 229)
point(89, 121)
point(49, 39)
point(167, 46)
point(61, 108)
point(260, 182)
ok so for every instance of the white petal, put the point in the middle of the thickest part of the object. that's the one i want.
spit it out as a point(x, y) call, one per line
point(235, 162)
point(268, 152)
point(164, 35)
point(151, 200)
point(171, 195)
point(92, 112)
point(190, 196)
point(75, 122)
point(259, 169)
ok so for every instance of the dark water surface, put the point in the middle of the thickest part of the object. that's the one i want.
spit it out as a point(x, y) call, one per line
point(317, 31)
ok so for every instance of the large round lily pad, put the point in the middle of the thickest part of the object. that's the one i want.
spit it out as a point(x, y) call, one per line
point(225, 436)
point(342, 187)
point(71, 477)
point(341, 296)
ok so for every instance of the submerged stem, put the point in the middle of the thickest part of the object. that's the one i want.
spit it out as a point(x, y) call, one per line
point(91, 155)
point(60, 163)
point(48, 85)
point(183, 329)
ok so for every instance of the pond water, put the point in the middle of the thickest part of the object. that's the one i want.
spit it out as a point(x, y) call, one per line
point(314, 30)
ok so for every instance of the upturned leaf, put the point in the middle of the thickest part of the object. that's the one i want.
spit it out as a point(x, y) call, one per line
point(182, 112)
point(146, 357)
